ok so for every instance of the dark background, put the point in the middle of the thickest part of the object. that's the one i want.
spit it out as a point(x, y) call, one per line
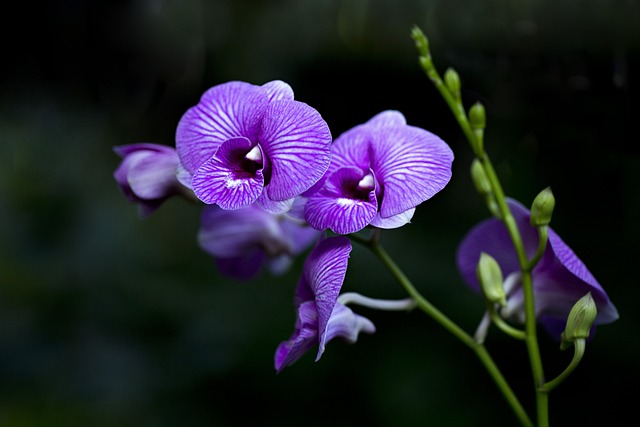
point(107, 319)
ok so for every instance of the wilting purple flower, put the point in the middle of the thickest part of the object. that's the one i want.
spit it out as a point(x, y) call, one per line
point(380, 171)
point(242, 241)
point(244, 143)
point(559, 279)
point(321, 317)
point(147, 174)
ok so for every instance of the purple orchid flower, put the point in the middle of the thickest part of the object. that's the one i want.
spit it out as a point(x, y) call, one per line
point(244, 143)
point(559, 279)
point(321, 317)
point(147, 174)
point(380, 171)
point(242, 241)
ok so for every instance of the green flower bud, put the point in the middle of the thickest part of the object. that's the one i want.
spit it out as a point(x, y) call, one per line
point(542, 208)
point(452, 80)
point(422, 43)
point(477, 116)
point(581, 318)
point(490, 278)
point(479, 177)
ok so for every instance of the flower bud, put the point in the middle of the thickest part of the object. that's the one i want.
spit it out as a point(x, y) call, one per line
point(490, 277)
point(581, 318)
point(452, 80)
point(422, 43)
point(477, 116)
point(542, 208)
point(479, 177)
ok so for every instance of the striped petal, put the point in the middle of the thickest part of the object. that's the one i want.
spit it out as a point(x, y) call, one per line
point(296, 141)
point(334, 207)
point(228, 178)
point(411, 164)
point(225, 111)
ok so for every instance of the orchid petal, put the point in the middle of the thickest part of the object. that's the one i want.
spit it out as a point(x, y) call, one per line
point(225, 111)
point(296, 141)
point(395, 221)
point(411, 164)
point(341, 213)
point(344, 323)
point(278, 90)
point(302, 340)
point(386, 119)
point(224, 181)
point(272, 206)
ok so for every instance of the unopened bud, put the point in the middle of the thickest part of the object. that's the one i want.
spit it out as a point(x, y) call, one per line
point(542, 208)
point(422, 43)
point(452, 80)
point(490, 278)
point(581, 318)
point(477, 116)
point(479, 177)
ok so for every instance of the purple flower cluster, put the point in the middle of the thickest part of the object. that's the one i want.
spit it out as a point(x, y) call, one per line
point(273, 181)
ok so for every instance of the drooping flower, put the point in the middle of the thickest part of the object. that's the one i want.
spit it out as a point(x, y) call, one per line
point(244, 143)
point(147, 174)
point(321, 317)
point(559, 279)
point(380, 171)
point(242, 241)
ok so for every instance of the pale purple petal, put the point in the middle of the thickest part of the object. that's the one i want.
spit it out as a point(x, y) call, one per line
point(387, 119)
point(395, 221)
point(225, 111)
point(154, 176)
point(278, 90)
point(345, 324)
point(184, 176)
point(229, 234)
point(296, 141)
point(226, 179)
point(272, 206)
point(337, 208)
point(411, 164)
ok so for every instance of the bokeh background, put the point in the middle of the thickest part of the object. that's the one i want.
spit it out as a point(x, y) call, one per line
point(107, 319)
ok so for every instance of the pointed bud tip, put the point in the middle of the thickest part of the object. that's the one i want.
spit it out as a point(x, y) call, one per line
point(542, 208)
point(580, 319)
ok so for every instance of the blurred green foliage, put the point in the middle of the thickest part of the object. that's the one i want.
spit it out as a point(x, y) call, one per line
point(106, 319)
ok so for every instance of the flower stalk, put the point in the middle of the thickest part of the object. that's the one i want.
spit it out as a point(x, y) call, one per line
point(474, 135)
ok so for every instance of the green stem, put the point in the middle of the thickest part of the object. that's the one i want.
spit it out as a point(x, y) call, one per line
point(478, 348)
point(476, 144)
point(504, 326)
point(579, 348)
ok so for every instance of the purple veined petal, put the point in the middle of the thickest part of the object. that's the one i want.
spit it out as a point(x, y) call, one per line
point(231, 234)
point(272, 206)
point(395, 221)
point(229, 179)
point(340, 206)
point(225, 111)
point(351, 149)
point(387, 119)
point(345, 324)
point(278, 90)
point(304, 337)
point(154, 175)
point(296, 141)
point(325, 269)
point(411, 164)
